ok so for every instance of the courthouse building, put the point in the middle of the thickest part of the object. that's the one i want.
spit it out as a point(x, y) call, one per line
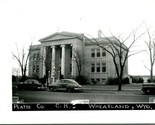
point(66, 55)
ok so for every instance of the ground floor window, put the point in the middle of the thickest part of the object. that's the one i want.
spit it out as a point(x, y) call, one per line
point(98, 80)
point(92, 80)
point(103, 80)
point(35, 69)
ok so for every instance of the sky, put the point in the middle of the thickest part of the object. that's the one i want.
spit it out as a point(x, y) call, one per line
point(23, 21)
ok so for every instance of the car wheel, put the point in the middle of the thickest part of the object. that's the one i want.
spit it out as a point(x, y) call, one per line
point(68, 89)
point(53, 90)
point(48, 89)
point(19, 88)
point(146, 92)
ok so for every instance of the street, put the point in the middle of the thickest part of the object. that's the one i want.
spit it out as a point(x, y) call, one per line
point(93, 97)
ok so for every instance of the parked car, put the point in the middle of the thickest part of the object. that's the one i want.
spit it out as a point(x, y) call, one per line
point(15, 99)
point(148, 88)
point(30, 84)
point(65, 84)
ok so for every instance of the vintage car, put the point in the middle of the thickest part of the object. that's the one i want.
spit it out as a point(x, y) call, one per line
point(65, 84)
point(148, 88)
point(30, 84)
point(15, 99)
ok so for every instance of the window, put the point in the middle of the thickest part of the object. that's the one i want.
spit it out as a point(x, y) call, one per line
point(37, 68)
point(98, 67)
point(98, 53)
point(37, 56)
point(103, 67)
point(71, 52)
point(34, 69)
point(103, 53)
point(92, 52)
point(70, 67)
point(98, 80)
point(92, 67)
point(93, 81)
point(103, 80)
point(61, 53)
point(34, 56)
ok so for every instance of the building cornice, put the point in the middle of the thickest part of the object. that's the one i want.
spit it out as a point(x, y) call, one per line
point(65, 35)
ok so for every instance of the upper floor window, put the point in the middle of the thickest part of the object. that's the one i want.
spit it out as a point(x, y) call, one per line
point(98, 67)
point(98, 52)
point(103, 53)
point(37, 68)
point(92, 52)
point(34, 69)
point(103, 67)
point(71, 49)
point(70, 67)
point(36, 56)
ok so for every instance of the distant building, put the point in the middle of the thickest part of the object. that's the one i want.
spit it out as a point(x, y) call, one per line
point(65, 54)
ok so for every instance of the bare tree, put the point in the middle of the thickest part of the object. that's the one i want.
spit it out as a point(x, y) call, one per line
point(78, 60)
point(22, 59)
point(150, 51)
point(119, 51)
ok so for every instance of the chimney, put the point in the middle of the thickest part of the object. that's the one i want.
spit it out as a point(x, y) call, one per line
point(99, 33)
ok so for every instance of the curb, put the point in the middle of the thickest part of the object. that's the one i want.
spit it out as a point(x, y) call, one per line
point(114, 91)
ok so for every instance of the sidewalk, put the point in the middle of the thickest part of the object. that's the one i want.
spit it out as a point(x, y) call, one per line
point(113, 89)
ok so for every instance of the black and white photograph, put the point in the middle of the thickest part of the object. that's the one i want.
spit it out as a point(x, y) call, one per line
point(78, 56)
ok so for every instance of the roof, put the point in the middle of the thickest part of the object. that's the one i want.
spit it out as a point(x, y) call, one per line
point(103, 40)
point(88, 41)
point(62, 35)
point(35, 47)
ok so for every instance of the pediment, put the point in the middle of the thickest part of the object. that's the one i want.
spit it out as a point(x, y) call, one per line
point(60, 36)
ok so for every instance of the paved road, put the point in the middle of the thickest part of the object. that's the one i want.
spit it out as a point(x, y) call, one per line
point(103, 97)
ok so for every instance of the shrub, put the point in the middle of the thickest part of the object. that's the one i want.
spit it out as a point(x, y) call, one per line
point(125, 80)
point(112, 81)
point(137, 80)
point(14, 78)
point(141, 80)
point(115, 81)
point(81, 80)
point(149, 80)
point(42, 80)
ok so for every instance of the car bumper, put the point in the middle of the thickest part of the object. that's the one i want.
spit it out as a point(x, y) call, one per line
point(78, 89)
point(41, 88)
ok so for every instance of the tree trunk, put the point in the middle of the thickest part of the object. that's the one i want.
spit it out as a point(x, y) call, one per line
point(23, 78)
point(120, 84)
point(151, 74)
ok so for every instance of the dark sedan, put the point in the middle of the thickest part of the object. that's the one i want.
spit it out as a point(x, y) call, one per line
point(148, 88)
point(30, 84)
point(65, 84)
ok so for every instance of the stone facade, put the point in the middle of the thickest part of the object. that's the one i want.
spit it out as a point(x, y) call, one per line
point(65, 55)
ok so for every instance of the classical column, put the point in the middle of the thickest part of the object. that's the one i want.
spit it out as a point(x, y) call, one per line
point(72, 63)
point(53, 62)
point(63, 61)
point(44, 58)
